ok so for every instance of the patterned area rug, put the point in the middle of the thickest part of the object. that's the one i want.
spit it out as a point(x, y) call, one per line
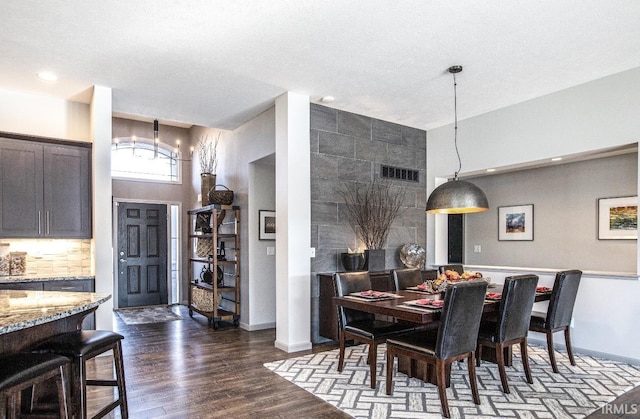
point(573, 393)
point(143, 315)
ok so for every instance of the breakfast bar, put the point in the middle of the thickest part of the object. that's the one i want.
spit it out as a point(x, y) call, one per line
point(28, 317)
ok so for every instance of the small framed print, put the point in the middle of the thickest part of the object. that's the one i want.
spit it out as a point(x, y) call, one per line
point(267, 225)
point(618, 218)
point(515, 222)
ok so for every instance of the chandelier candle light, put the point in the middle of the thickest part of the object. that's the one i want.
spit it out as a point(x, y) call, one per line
point(456, 196)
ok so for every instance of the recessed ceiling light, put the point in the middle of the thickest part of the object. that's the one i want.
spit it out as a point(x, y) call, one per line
point(491, 170)
point(556, 159)
point(327, 99)
point(47, 76)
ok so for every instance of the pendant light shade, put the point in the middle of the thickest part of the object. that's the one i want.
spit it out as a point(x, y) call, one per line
point(456, 196)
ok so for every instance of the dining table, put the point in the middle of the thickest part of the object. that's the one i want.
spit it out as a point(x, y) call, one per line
point(408, 306)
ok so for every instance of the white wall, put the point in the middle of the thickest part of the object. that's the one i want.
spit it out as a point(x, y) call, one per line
point(238, 149)
point(596, 115)
point(262, 265)
point(293, 221)
point(44, 116)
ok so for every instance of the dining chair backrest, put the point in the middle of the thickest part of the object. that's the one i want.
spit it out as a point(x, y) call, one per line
point(460, 318)
point(518, 295)
point(563, 298)
point(456, 267)
point(405, 278)
point(346, 283)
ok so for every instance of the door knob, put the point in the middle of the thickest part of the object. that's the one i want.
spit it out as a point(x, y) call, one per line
point(123, 260)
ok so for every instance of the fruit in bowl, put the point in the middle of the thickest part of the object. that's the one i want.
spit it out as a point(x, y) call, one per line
point(471, 275)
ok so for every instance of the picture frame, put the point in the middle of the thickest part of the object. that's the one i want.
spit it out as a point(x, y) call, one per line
point(618, 218)
point(515, 223)
point(267, 225)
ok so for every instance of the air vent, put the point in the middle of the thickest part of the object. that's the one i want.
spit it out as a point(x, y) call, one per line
point(390, 172)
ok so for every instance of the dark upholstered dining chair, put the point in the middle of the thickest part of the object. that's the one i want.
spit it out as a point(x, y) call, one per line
point(512, 324)
point(455, 339)
point(455, 267)
point(360, 326)
point(559, 312)
point(405, 278)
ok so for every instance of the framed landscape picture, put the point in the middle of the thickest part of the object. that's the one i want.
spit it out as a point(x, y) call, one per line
point(515, 222)
point(618, 218)
point(267, 225)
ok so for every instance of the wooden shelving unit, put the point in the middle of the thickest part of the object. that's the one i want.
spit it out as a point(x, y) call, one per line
point(220, 300)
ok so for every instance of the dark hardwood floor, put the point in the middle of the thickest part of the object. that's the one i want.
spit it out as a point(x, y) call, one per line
point(184, 369)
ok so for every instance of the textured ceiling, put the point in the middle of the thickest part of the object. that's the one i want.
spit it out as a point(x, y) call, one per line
point(219, 63)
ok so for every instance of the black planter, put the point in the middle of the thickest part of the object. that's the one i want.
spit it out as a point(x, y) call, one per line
point(352, 261)
point(374, 260)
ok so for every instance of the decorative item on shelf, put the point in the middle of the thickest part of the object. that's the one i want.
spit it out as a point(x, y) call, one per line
point(220, 277)
point(206, 275)
point(353, 260)
point(221, 252)
point(413, 255)
point(5, 260)
point(18, 263)
point(220, 197)
point(371, 210)
point(221, 214)
point(203, 222)
point(204, 247)
point(207, 155)
point(456, 196)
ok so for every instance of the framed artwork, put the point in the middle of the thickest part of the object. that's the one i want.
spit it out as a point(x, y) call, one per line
point(618, 218)
point(515, 222)
point(267, 225)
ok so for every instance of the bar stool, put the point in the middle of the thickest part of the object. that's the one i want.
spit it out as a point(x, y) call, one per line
point(81, 346)
point(23, 370)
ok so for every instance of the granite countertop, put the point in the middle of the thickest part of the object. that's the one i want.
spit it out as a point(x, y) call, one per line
point(22, 309)
point(32, 278)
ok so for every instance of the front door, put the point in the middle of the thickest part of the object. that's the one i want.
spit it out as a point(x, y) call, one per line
point(142, 254)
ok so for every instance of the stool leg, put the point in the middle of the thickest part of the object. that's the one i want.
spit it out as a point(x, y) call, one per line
point(122, 391)
point(62, 391)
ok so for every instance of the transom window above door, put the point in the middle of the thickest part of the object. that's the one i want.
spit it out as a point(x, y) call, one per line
point(138, 158)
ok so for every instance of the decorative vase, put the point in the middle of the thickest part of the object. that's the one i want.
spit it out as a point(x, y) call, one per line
point(374, 260)
point(352, 261)
point(207, 181)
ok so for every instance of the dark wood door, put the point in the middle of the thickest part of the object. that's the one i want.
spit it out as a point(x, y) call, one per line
point(142, 254)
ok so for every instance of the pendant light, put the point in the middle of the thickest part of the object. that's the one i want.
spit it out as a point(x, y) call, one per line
point(456, 196)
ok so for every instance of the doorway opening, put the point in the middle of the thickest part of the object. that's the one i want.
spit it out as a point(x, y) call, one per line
point(147, 259)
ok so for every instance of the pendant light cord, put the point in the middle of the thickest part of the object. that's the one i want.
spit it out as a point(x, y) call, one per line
point(455, 126)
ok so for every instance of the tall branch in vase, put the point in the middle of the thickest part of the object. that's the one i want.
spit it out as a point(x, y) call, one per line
point(208, 158)
point(371, 210)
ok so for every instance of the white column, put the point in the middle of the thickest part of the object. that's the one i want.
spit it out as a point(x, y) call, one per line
point(293, 223)
point(102, 228)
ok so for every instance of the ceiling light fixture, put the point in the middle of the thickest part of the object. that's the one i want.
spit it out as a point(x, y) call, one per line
point(47, 76)
point(327, 99)
point(156, 139)
point(556, 159)
point(456, 196)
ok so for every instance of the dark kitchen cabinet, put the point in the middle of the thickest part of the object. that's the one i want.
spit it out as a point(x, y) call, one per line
point(45, 189)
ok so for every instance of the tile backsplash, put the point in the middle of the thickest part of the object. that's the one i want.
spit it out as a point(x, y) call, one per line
point(54, 257)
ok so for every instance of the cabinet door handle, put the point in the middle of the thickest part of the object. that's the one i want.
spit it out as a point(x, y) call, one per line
point(39, 223)
point(48, 222)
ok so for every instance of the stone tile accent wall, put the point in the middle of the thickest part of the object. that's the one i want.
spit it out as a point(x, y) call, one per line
point(347, 147)
point(55, 257)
